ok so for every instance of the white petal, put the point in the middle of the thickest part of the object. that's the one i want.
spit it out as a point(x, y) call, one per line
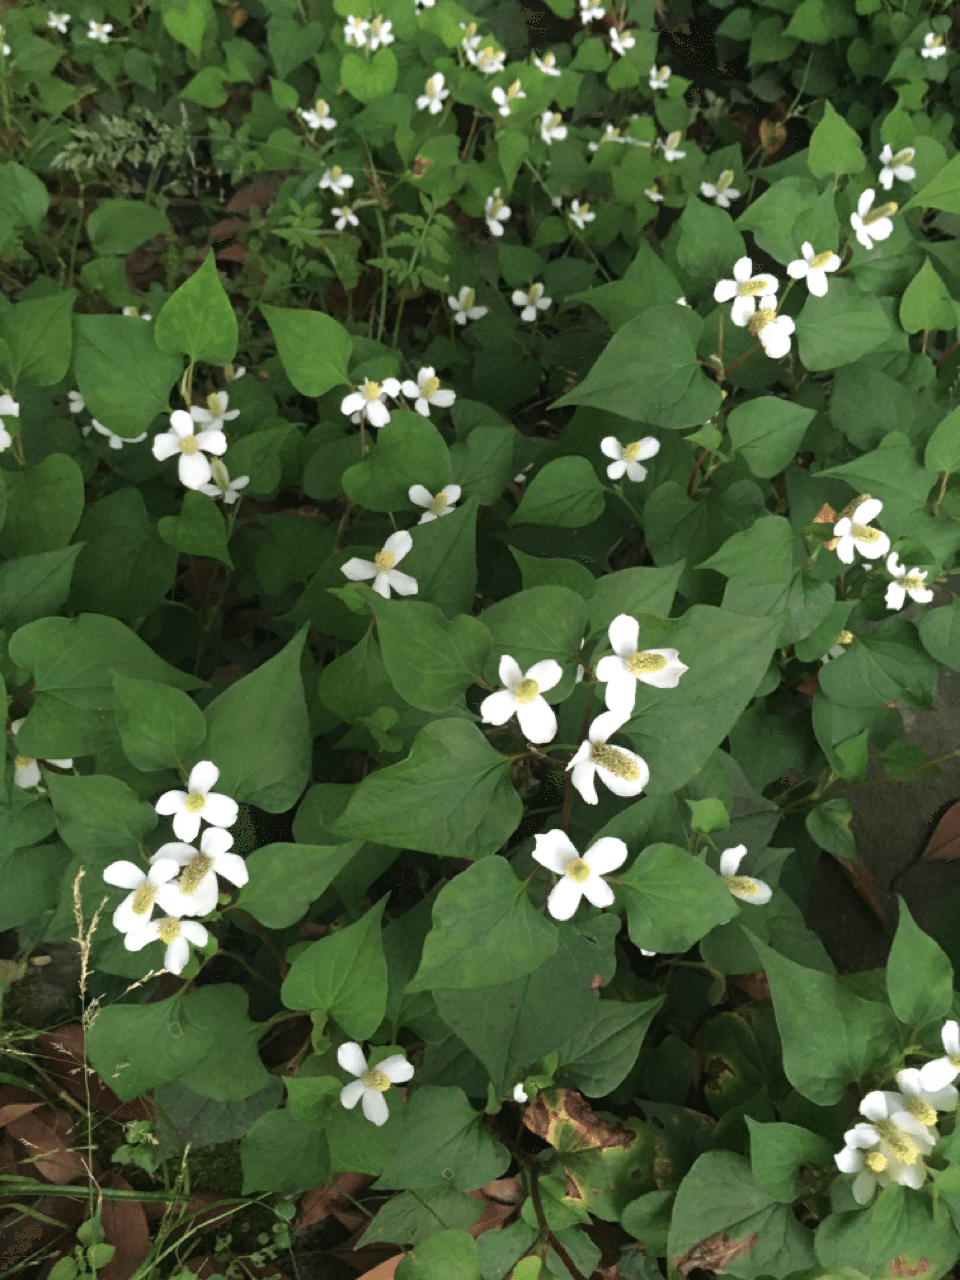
point(742, 269)
point(398, 544)
point(610, 668)
point(606, 855)
point(194, 932)
point(181, 424)
point(605, 726)
point(564, 898)
point(212, 441)
point(611, 447)
point(402, 583)
point(452, 493)
point(868, 510)
point(624, 634)
point(375, 1106)
point(215, 841)
point(176, 956)
point(849, 1160)
point(351, 403)
point(864, 1186)
point(396, 1068)
point(874, 550)
point(730, 859)
point(350, 1056)
point(741, 309)
point(950, 1037)
point(170, 802)
point(583, 778)
point(378, 415)
point(537, 720)
point(937, 1074)
point(817, 284)
point(420, 495)
point(186, 825)
point(554, 850)
point(356, 570)
point(597, 892)
point(165, 445)
point(874, 1105)
point(137, 939)
point(126, 875)
point(616, 469)
point(620, 694)
point(509, 671)
point(497, 708)
point(232, 867)
point(203, 777)
point(193, 470)
point(725, 290)
point(547, 673)
point(895, 596)
point(351, 1093)
point(667, 677)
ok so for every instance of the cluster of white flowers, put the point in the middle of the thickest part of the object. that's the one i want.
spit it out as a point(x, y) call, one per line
point(181, 880)
point(367, 403)
point(26, 769)
point(433, 95)
point(773, 331)
point(505, 98)
point(194, 468)
point(359, 32)
point(9, 408)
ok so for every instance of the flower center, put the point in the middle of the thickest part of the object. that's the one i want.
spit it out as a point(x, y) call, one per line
point(581, 212)
point(820, 260)
point(23, 762)
point(846, 637)
point(548, 59)
point(741, 884)
point(555, 119)
point(631, 451)
point(533, 296)
point(865, 533)
point(143, 898)
point(194, 802)
point(673, 139)
point(336, 173)
point(577, 870)
point(375, 27)
point(922, 1109)
point(725, 179)
point(439, 504)
point(514, 91)
point(760, 319)
point(487, 57)
point(748, 288)
point(194, 872)
point(321, 108)
point(384, 560)
point(374, 1079)
point(643, 662)
point(371, 391)
point(902, 157)
point(912, 581)
point(881, 211)
point(876, 1162)
point(616, 762)
point(169, 929)
point(189, 445)
point(901, 1144)
point(432, 87)
point(215, 404)
point(495, 209)
point(469, 298)
point(934, 42)
point(430, 388)
point(526, 690)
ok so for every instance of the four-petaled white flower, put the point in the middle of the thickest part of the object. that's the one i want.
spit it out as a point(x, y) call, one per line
point(426, 391)
point(670, 146)
point(610, 134)
point(488, 59)
point(896, 166)
point(924, 1103)
point(380, 32)
point(496, 213)
point(336, 180)
point(580, 877)
point(464, 306)
point(653, 194)
point(624, 772)
point(198, 801)
point(813, 267)
point(773, 331)
point(580, 214)
point(222, 486)
point(872, 224)
point(857, 534)
point(471, 41)
point(756, 892)
point(552, 128)
point(114, 441)
point(627, 457)
point(26, 769)
point(505, 98)
point(148, 889)
point(319, 117)
point(840, 648)
point(175, 933)
point(621, 41)
point(744, 289)
point(547, 64)
point(367, 402)
point(590, 11)
point(433, 95)
point(532, 302)
point(439, 504)
point(621, 669)
point(58, 20)
point(355, 31)
point(906, 583)
point(933, 46)
point(192, 467)
point(721, 192)
point(195, 892)
point(382, 568)
point(659, 77)
point(523, 694)
point(943, 1071)
point(372, 1082)
point(215, 414)
point(344, 216)
point(99, 31)
point(887, 1150)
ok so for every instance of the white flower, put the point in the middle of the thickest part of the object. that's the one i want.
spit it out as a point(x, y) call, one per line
point(857, 534)
point(547, 64)
point(924, 1103)
point(147, 889)
point(426, 391)
point(26, 769)
point(523, 694)
point(368, 401)
point(337, 181)
point(624, 772)
point(721, 192)
point(372, 1082)
point(840, 648)
point(198, 801)
point(115, 441)
point(670, 145)
point(382, 568)
point(887, 1150)
point(933, 46)
point(464, 306)
point(906, 584)
point(98, 31)
point(580, 214)
point(621, 670)
point(814, 267)
point(76, 401)
point(355, 31)
point(488, 59)
point(942, 1071)
point(744, 289)
point(496, 213)
point(896, 166)
point(756, 892)
point(134, 314)
point(344, 217)
point(872, 224)
point(195, 893)
point(216, 413)
point(433, 95)
point(621, 41)
point(773, 331)
point(652, 194)
point(581, 877)
point(682, 302)
point(659, 77)
point(531, 302)
point(506, 97)
point(58, 20)
point(9, 408)
point(610, 134)
point(471, 41)
point(627, 457)
point(380, 32)
point(176, 934)
point(519, 1093)
point(590, 11)
point(192, 467)
point(223, 487)
point(319, 117)
point(440, 504)
point(552, 128)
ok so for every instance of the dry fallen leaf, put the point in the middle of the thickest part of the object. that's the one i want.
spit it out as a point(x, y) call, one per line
point(715, 1253)
point(944, 844)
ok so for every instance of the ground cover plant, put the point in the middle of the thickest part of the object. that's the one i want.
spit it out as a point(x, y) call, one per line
point(478, 489)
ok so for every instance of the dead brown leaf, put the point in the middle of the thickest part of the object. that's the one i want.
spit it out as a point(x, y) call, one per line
point(944, 844)
point(503, 1197)
point(331, 1199)
point(46, 1150)
point(899, 1266)
point(125, 1227)
point(715, 1253)
point(63, 1053)
point(826, 515)
point(572, 1109)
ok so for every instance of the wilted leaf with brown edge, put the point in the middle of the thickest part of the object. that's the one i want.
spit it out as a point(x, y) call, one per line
point(565, 1119)
point(715, 1253)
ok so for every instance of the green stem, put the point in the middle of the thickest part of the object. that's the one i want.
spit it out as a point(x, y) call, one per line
point(384, 274)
